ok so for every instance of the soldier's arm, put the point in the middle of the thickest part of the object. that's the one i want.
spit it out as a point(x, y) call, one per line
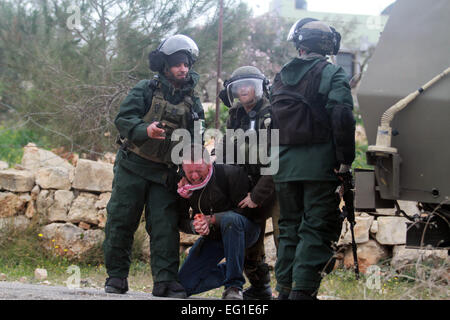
point(238, 184)
point(340, 108)
point(263, 190)
point(198, 108)
point(133, 108)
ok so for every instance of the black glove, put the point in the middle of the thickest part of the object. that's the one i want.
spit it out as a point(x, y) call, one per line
point(346, 177)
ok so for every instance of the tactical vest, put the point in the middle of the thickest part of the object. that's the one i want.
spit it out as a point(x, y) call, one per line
point(174, 117)
point(298, 111)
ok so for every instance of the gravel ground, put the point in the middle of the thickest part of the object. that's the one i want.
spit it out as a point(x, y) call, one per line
point(25, 291)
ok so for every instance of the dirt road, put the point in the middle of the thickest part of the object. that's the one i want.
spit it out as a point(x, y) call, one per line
point(25, 291)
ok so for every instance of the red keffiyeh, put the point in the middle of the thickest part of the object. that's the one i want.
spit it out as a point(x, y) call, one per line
point(187, 190)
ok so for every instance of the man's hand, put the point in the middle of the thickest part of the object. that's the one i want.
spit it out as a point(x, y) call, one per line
point(183, 181)
point(201, 224)
point(154, 132)
point(247, 202)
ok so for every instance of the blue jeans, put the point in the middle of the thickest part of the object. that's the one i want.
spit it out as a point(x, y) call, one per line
point(201, 270)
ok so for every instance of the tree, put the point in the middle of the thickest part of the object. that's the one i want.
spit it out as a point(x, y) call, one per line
point(67, 80)
point(235, 33)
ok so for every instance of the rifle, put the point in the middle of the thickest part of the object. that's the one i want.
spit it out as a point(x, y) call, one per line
point(345, 192)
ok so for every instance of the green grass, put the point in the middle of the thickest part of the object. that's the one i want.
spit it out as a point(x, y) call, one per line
point(422, 281)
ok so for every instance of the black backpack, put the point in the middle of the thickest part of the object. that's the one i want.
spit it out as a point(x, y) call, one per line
point(298, 111)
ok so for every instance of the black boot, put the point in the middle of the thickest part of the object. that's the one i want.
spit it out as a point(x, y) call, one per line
point(303, 295)
point(283, 296)
point(259, 277)
point(258, 293)
point(169, 289)
point(116, 285)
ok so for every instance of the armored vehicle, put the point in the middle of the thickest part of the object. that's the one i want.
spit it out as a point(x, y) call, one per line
point(404, 101)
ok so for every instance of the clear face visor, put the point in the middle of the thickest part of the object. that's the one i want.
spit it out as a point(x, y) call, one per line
point(246, 91)
point(292, 30)
point(177, 43)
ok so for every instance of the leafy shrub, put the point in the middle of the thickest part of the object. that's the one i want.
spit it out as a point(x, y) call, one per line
point(12, 142)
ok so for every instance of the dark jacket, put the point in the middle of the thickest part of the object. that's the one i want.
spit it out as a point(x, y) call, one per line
point(262, 187)
point(223, 193)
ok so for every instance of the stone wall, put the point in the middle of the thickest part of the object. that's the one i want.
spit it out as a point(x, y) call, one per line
point(70, 202)
point(381, 236)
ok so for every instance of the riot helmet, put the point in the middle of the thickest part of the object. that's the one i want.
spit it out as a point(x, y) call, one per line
point(246, 85)
point(175, 49)
point(316, 36)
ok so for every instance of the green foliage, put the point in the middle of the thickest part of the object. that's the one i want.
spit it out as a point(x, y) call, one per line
point(12, 141)
point(360, 157)
point(210, 117)
point(361, 146)
point(69, 82)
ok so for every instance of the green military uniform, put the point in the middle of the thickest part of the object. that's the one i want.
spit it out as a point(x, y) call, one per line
point(305, 184)
point(141, 183)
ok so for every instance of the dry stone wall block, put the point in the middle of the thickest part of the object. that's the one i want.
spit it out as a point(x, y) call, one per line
point(54, 178)
point(269, 226)
point(12, 204)
point(410, 208)
point(403, 257)
point(369, 253)
point(391, 230)
point(59, 209)
point(34, 158)
point(44, 201)
point(103, 200)
point(93, 176)
point(362, 228)
point(102, 218)
point(16, 180)
point(70, 239)
point(187, 239)
point(270, 250)
point(83, 209)
point(16, 222)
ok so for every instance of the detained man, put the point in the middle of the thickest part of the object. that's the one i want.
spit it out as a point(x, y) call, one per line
point(214, 192)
